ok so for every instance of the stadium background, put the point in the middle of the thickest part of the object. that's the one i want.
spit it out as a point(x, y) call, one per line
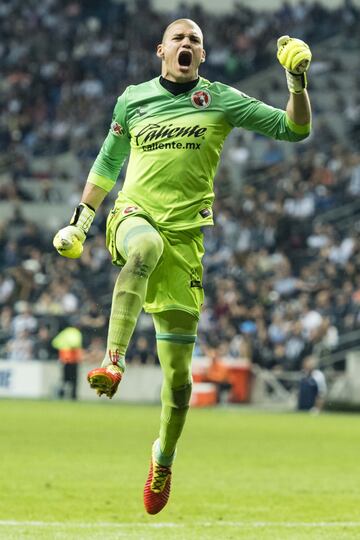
point(282, 263)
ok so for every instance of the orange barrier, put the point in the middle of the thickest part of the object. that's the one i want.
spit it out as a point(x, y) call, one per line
point(240, 379)
point(203, 395)
point(235, 373)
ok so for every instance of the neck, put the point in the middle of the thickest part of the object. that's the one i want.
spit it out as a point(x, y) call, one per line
point(181, 79)
point(177, 87)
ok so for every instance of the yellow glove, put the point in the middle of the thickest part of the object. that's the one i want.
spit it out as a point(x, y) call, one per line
point(69, 240)
point(295, 56)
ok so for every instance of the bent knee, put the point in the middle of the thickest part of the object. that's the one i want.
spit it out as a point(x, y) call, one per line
point(152, 245)
point(147, 247)
point(137, 235)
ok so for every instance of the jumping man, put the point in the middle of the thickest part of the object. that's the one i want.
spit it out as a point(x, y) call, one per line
point(173, 127)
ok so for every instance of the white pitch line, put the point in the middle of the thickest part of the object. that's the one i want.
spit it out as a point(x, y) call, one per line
point(74, 524)
point(290, 524)
point(237, 524)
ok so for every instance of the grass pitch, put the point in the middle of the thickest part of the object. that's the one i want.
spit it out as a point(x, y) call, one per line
point(76, 471)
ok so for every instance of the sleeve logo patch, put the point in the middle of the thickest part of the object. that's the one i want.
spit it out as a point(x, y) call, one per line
point(116, 129)
point(201, 99)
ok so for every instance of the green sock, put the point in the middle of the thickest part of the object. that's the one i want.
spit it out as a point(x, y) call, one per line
point(126, 307)
point(175, 404)
point(141, 245)
point(175, 334)
point(160, 457)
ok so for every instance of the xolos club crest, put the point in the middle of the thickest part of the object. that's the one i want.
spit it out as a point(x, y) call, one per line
point(129, 210)
point(201, 99)
point(116, 129)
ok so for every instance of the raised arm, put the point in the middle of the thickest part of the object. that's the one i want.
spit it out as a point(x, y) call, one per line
point(295, 57)
point(298, 108)
point(292, 124)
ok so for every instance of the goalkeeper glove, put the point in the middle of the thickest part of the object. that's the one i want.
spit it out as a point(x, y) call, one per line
point(295, 56)
point(69, 240)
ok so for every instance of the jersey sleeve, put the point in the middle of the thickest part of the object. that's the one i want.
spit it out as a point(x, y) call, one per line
point(249, 113)
point(114, 150)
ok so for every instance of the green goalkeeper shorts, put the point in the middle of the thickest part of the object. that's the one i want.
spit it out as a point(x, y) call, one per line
point(176, 282)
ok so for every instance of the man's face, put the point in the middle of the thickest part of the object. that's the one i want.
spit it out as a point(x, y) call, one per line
point(181, 51)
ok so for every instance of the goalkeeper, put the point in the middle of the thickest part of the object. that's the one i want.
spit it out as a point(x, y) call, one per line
point(173, 127)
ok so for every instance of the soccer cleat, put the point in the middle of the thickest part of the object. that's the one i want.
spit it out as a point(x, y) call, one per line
point(157, 487)
point(105, 380)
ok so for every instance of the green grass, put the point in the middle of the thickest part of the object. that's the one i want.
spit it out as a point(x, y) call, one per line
point(239, 474)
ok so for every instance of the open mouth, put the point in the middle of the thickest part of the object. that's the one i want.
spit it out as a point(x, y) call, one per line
point(185, 58)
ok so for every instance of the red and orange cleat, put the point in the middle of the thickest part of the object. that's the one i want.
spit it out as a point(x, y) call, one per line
point(157, 487)
point(105, 380)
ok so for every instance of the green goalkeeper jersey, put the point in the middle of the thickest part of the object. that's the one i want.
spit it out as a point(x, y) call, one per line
point(175, 143)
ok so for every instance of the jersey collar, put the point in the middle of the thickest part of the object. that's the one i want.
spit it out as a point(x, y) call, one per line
point(161, 88)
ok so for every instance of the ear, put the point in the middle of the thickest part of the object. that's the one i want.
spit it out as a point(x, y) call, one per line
point(203, 56)
point(160, 51)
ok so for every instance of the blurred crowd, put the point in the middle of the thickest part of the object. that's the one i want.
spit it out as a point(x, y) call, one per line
point(278, 281)
point(59, 85)
point(281, 280)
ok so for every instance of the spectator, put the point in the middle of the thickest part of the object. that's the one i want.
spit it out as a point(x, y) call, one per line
point(21, 346)
point(25, 320)
point(7, 287)
point(43, 349)
point(69, 345)
point(312, 390)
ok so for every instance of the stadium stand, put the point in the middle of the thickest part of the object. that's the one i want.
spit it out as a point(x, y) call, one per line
point(282, 266)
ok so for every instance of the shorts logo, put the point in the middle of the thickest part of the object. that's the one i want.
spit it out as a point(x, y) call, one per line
point(201, 99)
point(116, 129)
point(205, 212)
point(130, 210)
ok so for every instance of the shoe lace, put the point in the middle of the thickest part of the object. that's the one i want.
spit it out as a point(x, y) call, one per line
point(159, 477)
